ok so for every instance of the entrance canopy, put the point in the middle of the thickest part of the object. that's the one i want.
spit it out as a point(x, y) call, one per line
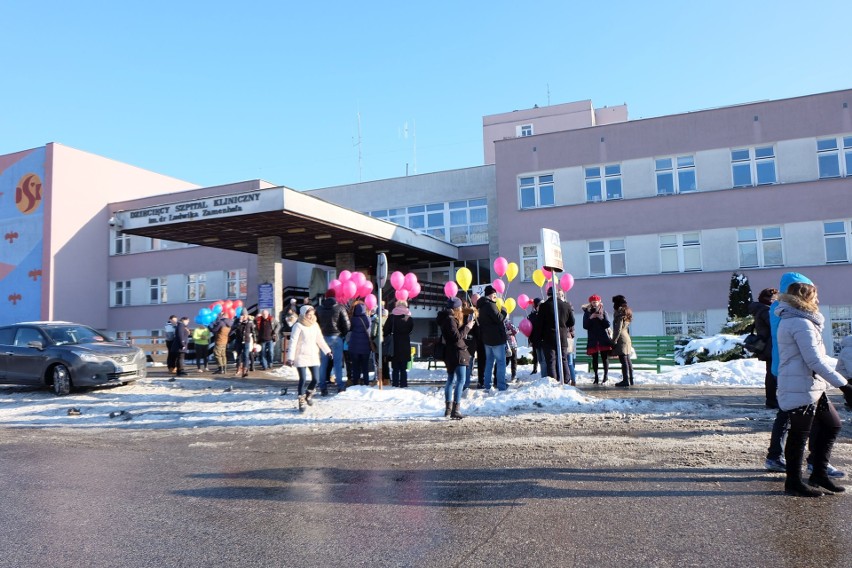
point(312, 230)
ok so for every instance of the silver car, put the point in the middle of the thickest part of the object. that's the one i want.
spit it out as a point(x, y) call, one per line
point(64, 355)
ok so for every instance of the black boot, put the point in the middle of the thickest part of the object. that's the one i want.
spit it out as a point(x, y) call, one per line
point(448, 410)
point(826, 483)
point(596, 380)
point(623, 383)
point(454, 412)
point(795, 488)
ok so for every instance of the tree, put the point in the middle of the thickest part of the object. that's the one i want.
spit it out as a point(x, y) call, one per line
point(739, 298)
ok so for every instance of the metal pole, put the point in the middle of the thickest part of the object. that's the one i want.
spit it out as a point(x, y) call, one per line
point(381, 278)
point(560, 370)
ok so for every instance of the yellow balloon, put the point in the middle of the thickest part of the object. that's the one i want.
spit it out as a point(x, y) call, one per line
point(499, 303)
point(511, 271)
point(509, 304)
point(464, 277)
point(538, 277)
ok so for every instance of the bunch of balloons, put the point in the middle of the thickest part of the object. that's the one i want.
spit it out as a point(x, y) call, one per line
point(406, 286)
point(231, 309)
point(352, 285)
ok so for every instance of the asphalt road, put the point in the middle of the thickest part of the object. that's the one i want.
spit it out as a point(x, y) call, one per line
point(537, 491)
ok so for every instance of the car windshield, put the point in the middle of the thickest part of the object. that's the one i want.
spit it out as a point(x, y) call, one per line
point(74, 334)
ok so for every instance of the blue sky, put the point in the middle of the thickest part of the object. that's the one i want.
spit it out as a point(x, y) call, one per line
point(215, 92)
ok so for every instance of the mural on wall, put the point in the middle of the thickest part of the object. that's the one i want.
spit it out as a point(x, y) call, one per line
point(22, 195)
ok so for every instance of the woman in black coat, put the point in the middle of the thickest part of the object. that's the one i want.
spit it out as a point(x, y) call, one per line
point(596, 323)
point(456, 354)
point(400, 325)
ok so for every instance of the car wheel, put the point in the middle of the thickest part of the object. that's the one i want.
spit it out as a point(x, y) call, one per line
point(61, 380)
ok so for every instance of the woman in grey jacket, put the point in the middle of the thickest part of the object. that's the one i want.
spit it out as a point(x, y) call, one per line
point(803, 374)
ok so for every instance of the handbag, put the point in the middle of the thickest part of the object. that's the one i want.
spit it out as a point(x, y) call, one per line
point(387, 343)
point(755, 344)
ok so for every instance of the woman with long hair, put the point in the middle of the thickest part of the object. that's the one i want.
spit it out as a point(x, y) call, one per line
point(456, 355)
point(804, 373)
point(303, 352)
point(596, 323)
point(622, 345)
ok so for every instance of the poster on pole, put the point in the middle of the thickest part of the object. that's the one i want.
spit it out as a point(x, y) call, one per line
point(552, 247)
point(265, 296)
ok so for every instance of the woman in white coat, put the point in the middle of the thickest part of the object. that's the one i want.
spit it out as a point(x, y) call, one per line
point(303, 352)
point(804, 372)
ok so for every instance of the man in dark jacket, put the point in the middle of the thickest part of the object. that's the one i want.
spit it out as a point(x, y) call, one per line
point(548, 336)
point(181, 343)
point(334, 323)
point(493, 333)
point(759, 310)
point(267, 332)
point(535, 339)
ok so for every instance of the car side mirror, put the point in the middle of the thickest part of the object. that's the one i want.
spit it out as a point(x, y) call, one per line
point(35, 345)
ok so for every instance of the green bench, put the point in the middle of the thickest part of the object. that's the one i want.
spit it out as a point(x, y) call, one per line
point(653, 352)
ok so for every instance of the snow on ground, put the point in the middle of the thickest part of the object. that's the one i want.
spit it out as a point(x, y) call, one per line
point(197, 401)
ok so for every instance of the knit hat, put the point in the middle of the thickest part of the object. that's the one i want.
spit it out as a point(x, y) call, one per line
point(330, 293)
point(489, 290)
point(791, 278)
point(594, 298)
point(618, 300)
point(454, 303)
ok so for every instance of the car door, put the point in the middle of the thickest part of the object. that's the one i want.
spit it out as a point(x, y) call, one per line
point(25, 364)
point(7, 338)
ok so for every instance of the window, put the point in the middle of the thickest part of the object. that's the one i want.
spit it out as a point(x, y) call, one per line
point(236, 283)
point(760, 248)
point(607, 258)
point(525, 130)
point(690, 324)
point(753, 166)
point(121, 242)
point(196, 287)
point(158, 290)
point(675, 175)
point(836, 241)
point(468, 222)
point(537, 191)
point(841, 324)
point(121, 293)
point(123, 336)
point(831, 165)
point(603, 183)
point(680, 253)
point(529, 261)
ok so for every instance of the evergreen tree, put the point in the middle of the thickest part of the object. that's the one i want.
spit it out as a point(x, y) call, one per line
point(739, 298)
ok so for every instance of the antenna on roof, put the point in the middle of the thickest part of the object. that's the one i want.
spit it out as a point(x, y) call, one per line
point(548, 94)
point(358, 143)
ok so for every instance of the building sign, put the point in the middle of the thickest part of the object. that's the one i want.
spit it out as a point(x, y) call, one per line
point(265, 297)
point(256, 201)
point(552, 247)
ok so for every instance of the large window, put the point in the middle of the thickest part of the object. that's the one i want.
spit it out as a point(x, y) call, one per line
point(753, 166)
point(841, 324)
point(196, 287)
point(529, 261)
point(536, 191)
point(121, 293)
point(121, 243)
point(835, 157)
point(680, 253)
point(459, 222)
point(159, 293)
point(675, 175)
point(607, 258)
point(236, 282)
point(525, 130)
point(689, 324)
point(603, 183)
point(760, 247)
point(837, 238)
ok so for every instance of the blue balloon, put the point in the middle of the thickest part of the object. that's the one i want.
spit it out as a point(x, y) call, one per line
point(238, 311)
point(204, 312)
point(199, 320)
point(209, 318)
point(217, 308)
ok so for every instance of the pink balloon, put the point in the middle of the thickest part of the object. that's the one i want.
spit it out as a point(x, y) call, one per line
point(523, 301)
point(350, 289)
point(566, 282)
point(525, 326)
point(546, 272)
point(451, 289)
point(499, 285)
point(500, 266)
point(358, 278)
point(402, 295)
point(414, 291)
point(397, 279)
point(371, 302)
point(334, 284)
point(365, 289)
point(410, 280)
point(344, 275)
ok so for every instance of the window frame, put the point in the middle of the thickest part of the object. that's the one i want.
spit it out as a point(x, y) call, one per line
point(842, 152)
point(845, 234)
point(610, 249)
point(121, 293)
point(236, 284)
point(688, 323)
point(755, 160)
point(196, 287)
point(606, 174)
point(526, 256)
point(158, 287)
point(761, 241)
point(678, 167)
point(681, 247)
point(539, 182)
